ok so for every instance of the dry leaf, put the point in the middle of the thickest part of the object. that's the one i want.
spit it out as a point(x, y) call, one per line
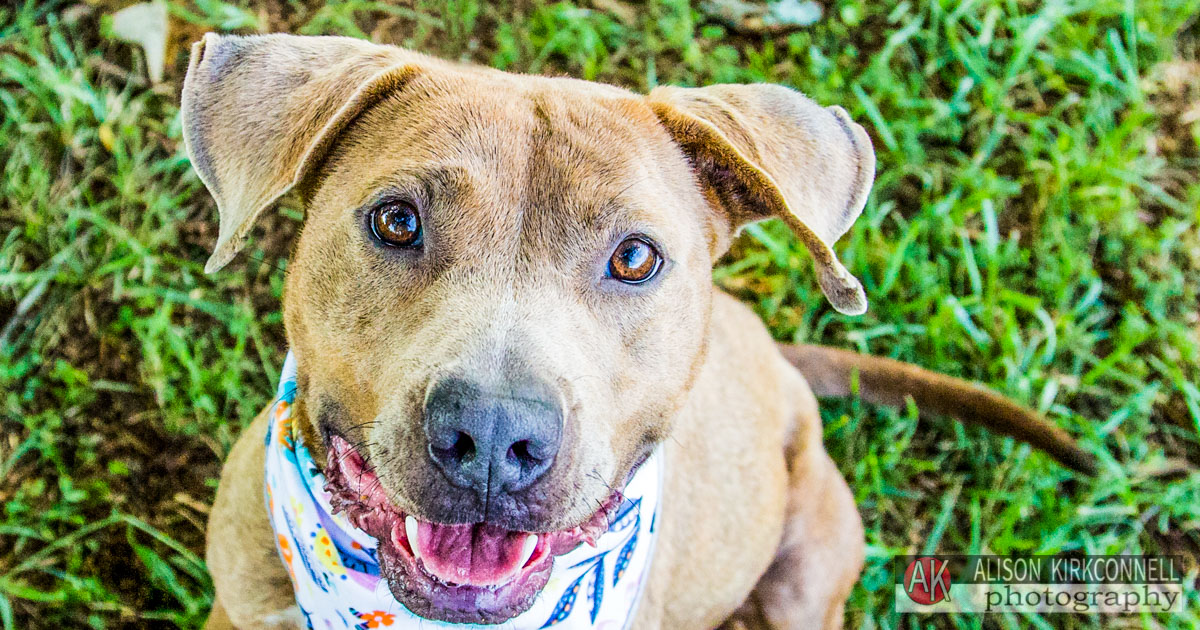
point(145, 25)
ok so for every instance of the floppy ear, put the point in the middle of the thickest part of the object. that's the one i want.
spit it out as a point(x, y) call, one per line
point(258, 112)
point(764, 151)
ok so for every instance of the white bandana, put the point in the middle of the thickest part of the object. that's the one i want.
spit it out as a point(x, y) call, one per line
point(336, 576)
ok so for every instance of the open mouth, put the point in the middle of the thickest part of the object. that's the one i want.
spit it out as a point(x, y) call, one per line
point(461, 573)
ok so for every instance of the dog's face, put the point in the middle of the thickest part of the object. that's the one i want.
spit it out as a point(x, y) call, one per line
point(502, 311)
point(501, 294)
point(550, 248)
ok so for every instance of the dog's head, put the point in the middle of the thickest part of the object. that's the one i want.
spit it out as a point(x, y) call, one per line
point(502, 290)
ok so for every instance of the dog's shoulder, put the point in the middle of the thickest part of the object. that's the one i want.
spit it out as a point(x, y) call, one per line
point(741, 341)
point(745, 365)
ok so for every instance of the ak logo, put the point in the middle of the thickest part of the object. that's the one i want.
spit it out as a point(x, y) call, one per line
point(927, 580)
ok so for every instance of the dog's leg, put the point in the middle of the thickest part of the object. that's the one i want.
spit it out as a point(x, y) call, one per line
point(822, 550)
point(252, 585)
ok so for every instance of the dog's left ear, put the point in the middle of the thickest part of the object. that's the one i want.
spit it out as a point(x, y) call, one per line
point(764, 151)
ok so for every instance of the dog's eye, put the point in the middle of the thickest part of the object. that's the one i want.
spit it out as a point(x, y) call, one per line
point(396, 223)
point(634, 261)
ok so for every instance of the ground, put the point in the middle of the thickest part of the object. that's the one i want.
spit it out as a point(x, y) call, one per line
point(1033, 226)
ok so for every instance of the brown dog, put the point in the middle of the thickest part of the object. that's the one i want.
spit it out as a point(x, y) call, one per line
point(517, 270)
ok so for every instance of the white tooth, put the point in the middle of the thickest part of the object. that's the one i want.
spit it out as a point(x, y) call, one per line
point(527, 550)
point(410, 530)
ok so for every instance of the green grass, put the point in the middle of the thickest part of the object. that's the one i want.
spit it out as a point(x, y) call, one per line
point(1033, 226)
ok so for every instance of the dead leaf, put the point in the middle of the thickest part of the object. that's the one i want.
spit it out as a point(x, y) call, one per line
point(773, 17)
point(146, 25)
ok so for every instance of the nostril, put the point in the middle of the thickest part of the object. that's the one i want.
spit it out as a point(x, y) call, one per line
point(520, 451)
point(525, 453)
point(464, 447)
point(462, 450)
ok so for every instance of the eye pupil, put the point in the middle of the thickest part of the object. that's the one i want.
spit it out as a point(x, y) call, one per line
point(396, 223)
point(634, 261)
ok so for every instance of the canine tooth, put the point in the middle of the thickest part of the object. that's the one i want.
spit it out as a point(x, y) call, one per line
point(527, 551)
point(410, 530)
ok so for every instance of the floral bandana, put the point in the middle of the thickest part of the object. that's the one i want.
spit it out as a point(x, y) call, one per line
point(336, 576)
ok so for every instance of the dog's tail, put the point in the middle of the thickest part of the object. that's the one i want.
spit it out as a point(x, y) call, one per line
point(829, 372)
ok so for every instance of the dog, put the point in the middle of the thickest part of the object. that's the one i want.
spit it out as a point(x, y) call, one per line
point(500, 304)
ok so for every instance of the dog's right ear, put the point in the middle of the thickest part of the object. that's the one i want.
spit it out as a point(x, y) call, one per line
point(258, 112)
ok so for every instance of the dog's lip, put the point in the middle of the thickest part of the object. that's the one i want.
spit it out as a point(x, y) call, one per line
point(432, 588)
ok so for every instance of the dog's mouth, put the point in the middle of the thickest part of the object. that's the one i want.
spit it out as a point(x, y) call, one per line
point(463, 573)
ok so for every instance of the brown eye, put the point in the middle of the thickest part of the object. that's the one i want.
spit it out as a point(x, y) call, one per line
point(634, 261)
point(396, 223)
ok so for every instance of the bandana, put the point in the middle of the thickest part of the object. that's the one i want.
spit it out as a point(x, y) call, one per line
point(335, 573)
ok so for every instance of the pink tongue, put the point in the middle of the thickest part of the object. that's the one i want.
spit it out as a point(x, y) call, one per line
point(478, 554)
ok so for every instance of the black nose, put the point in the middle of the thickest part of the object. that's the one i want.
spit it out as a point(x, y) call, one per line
point(492, 442)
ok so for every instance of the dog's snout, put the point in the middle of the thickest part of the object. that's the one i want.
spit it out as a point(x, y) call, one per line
point(492, 442)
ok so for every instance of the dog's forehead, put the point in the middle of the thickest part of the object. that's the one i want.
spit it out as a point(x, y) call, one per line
point(495, 120)
point(554, 154)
